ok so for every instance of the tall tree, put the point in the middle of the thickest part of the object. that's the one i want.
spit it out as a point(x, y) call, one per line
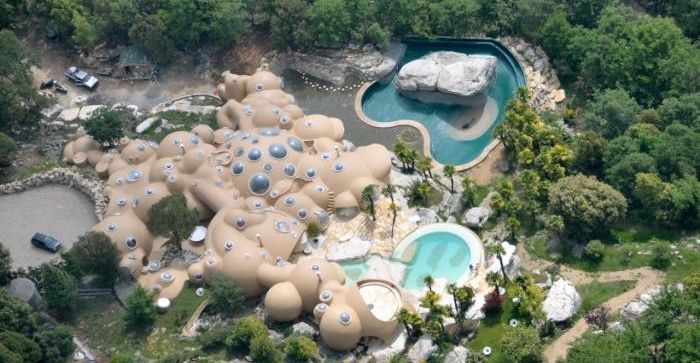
point(171, 218)
point(449, 172)
point(140, 309)
point(290, 25)
point(59, 288)
point(498, 250)
point(5, 265)
point(20, 104)
point(368, 201)
point(388, 191)
point(96, 253)
point(106, 126)
point(394, 209)
point(331, 21)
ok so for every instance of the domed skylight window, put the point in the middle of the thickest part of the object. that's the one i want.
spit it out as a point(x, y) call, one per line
point(247, 110)
point(259, 184)
point(142, 148)
point(121, 202)
point(246, 136)
point(238, 151)
point(320, 188)
point(315, 268)
point(211, 261)
point(282, 226)
point(302, 213)
point(259, 87)
point(345, 318)
point(338, 167)
point(254, 154)
point(112, 227)
point(168, 166)
point(167, 276)
point(257, 203)
point(277, 151)
point(228, 245)
point(237, 168)
point(325, 296)
point(295, 144)
point(177, 141)
point(131, 242)
point(308, 123)
point(268, 131)
point(134, 175)
point(199, 153)
point(289, 200)
point(322, 307)
point(241, 223)
point(323, 218)
point(276, 110)
point(310, 173)
point(194, 139)
point(289, 170)
point(267, 167)
point(219, 169)
point(284, 119)
point(325, 156)
point(150, 191)
point(119, 180)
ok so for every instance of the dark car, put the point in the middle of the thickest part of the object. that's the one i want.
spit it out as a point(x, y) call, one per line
point(81, 78)
point(48, 243)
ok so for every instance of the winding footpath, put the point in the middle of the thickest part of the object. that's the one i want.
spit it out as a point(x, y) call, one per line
point(646, 278)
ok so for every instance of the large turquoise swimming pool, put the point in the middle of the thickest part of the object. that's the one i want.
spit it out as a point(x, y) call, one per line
point(382, 103)
point(442, 250)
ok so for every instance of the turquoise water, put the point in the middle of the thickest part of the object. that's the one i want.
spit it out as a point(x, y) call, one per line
point(440, 254)
point(383, 103)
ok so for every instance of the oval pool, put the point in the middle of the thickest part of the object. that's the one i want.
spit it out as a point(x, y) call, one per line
point(450, 143)
point(442, 250)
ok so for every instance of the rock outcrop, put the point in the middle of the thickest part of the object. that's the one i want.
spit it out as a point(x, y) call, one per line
point(458, 355)
point(422, 350)
point(353, 249)
point(562, 301)
point(449, 78)
point(366, 63)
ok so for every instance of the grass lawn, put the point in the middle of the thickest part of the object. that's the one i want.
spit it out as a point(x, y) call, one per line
point(636, 239)
point(184, 120)
point(596, 293)
point(101, 322)
point(491, 328)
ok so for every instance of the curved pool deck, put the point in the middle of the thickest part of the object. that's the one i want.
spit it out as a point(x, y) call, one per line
point(466, 235)
point(507, 64)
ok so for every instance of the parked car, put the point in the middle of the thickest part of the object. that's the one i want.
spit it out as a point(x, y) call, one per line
point(81, 78)
point(46, 242)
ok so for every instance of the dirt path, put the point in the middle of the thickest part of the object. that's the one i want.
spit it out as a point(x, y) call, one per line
point(645, 276)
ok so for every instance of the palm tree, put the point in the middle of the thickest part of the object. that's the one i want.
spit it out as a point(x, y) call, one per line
point(493, 279)
point(513, 226)
point(411, 321)
point(449, 171)
point(429, 281)
point(498, 250)
point(468, 191)
point(400, 149)
point(368, 200)
point(411, 157)
point(389, 190)
point(424, 165)
point(424, 189)
point(394, 208)
point(452, 290)
point(403, 317)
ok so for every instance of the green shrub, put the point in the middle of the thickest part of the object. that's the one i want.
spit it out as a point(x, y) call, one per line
point(627, 252)
point(301, 348)
point(19, 344)
point(378, 36)
point(243, 332)
point(215, 337)
point(662, 255)
point(94, 253)
point(105, 126)
point(8, 148)
point(121, 358)
point(5, 265)
point(140, 309)
point(262, 349)
point(59, 287)
point(522, 345)
point(8, 356)
point(56, 344)
point(224, 296)
point(313, 230)
point(595, 249)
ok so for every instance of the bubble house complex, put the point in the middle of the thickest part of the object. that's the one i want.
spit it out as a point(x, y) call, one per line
point(259, 180)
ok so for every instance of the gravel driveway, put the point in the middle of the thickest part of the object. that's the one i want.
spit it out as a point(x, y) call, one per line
point(56, 210)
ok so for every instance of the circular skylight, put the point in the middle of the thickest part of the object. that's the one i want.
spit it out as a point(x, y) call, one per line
point(240, 223)
point(325, 156)
point(194, 139)
point(338, 167)
point(282, 226)
point(302, 213)
point(268, 131)
point(310, 173)
point(134, 175)
point(238, 151)
point(295, 144)
point(289, 200)
point(323, 218)
point(344, 318)
point(259, 184)
point(259, 86)
point(112, 227)
point(237, 168)
point(254, 154)
point(228, 245)
point(277, 151)
point(289, 170)
point(150, 191)
point(284, 119)
point(267, 167)
point(131, 242)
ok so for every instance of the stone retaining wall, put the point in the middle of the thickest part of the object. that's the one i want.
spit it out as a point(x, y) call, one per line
point(542, 80)
point(94, 189)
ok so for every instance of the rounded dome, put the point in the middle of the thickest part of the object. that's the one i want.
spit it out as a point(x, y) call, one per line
point(295, 143)
point(282, 302)
point(277, 150)
point(254, 154)
point(340, 327)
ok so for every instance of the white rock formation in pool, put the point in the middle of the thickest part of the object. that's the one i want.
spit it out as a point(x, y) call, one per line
point(449, 78)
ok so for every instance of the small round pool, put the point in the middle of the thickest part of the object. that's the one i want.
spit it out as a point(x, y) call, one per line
point(383, 106)
point(442, 250)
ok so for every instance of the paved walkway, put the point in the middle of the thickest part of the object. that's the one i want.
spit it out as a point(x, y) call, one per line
point(645, 276)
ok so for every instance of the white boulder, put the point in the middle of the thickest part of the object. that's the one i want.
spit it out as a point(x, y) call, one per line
point(448, 78)
point(353, 249)
point(383, 351)
point(146, 124)
point(87, 111)
point(422, 350)
point(562, 301)
point(303, 328)
point(458, 355)
point(383, 269)
point(69, 114)
point(476, 217)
